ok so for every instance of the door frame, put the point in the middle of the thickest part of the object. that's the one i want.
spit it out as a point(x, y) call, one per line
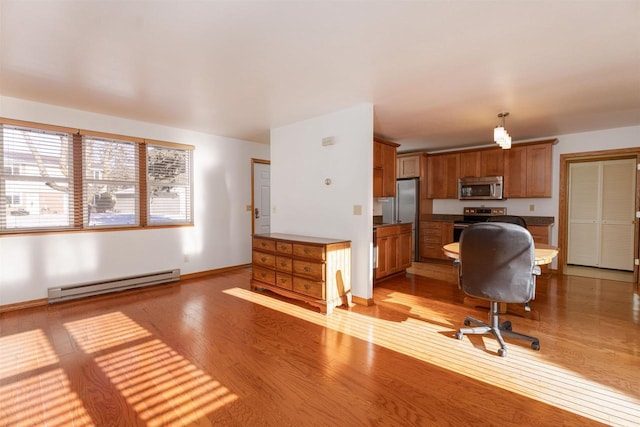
point(563, 208)
point(253, 206)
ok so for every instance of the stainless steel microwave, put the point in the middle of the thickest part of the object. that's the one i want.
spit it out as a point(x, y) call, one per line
point(480, 188)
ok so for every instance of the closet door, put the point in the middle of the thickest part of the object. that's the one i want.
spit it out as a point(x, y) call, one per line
point(584, 215)
point(601, 214)
point(618, 190)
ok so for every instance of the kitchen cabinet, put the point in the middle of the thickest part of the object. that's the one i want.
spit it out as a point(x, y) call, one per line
point(527, 170)
point(384, 168)
point(485, 162)
point(408, 166)
point(492, 162)
point(433, 236)
point(393, 249)
point(469, 163)
point(442, 176)
point(311, 269)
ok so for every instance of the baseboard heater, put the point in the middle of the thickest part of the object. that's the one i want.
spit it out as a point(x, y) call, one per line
point(81, 290)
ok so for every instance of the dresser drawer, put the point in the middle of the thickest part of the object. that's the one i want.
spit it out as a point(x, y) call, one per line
point(308, 287)
point(264, 275)
point(284, 264)
point(284, 248)
point(312, 270)
point(264, 259)
point(284, 281)
point(264, 244)
point(308, 251)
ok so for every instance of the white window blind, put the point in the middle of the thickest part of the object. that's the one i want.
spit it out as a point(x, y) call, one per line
point(110, 182)
point(36, 183)
point(169, 185)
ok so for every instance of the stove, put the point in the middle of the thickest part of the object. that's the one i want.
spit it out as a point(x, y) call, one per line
point(472, 216)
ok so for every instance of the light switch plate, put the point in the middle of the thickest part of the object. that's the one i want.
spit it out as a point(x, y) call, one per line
point(357, 209)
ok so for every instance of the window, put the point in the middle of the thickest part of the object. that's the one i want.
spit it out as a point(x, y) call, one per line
point(54, 178)
point(110, 182)
point(169, 185)
point(37, 179)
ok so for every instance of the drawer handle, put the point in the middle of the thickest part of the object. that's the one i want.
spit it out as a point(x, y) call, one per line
point(263, 259)
point(307, 269)
point(283, 264)
point(306, 286)
point(263, 275)
point(306, 251)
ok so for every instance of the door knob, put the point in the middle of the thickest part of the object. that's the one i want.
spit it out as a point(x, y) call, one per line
point(257, 213)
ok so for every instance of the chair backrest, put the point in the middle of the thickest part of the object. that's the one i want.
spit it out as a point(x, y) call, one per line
point(497, 262)
point(511, 219)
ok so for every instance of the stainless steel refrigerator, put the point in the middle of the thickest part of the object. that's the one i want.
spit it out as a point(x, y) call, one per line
point(405, 207)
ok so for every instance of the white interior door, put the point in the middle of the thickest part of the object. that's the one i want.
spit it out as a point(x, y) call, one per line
point(584, 188)
point(618, 209)
point(261, 197)
point(601, 213)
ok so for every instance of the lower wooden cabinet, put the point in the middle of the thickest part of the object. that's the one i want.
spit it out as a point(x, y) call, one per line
point(433, 236)
point(393, 249)
point(311, 269)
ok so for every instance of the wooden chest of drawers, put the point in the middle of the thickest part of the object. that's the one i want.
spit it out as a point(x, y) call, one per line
point(312, 269)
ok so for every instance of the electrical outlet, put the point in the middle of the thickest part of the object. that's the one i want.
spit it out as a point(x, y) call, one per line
point(186, 257)
point(357, 209)
point(532, 208)
point(248, 208)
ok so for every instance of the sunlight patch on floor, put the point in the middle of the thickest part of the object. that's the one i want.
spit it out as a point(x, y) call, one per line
point(160, 385)
point(429, 337)
point(34, 390)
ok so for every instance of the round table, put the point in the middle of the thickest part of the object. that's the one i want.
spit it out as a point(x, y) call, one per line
point(544, 254)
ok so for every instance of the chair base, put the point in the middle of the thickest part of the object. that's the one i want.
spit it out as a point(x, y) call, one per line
point(495, 328)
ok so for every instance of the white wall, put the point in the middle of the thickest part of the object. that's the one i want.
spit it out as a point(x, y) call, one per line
point(220, 238)
point(608, 139)
point(302, 204)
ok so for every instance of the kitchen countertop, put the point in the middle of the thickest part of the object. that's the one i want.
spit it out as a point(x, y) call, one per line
point(389, 224)
point(530, 220)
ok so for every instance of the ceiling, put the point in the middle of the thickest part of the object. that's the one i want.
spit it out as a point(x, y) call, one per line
point(437, 72)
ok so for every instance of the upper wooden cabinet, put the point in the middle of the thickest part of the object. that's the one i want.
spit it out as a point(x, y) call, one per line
point(384, 168)
point(527, 170)
point(442, 176)
point(492, 162)
point(408, 165)
point(485, 162)
point(470, 163)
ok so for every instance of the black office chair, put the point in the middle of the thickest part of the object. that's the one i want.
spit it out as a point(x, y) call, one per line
point(511, 219)
point(497, 263)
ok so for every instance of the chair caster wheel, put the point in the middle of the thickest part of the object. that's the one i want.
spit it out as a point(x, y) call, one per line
point(502, 352)
point(459, 335)
point(466, 322)
point(506, 326)
point(535, 346)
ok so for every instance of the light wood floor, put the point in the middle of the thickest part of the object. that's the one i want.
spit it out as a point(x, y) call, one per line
point(211, 352)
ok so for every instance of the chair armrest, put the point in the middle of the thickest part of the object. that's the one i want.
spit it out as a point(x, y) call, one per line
point(536, 270)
